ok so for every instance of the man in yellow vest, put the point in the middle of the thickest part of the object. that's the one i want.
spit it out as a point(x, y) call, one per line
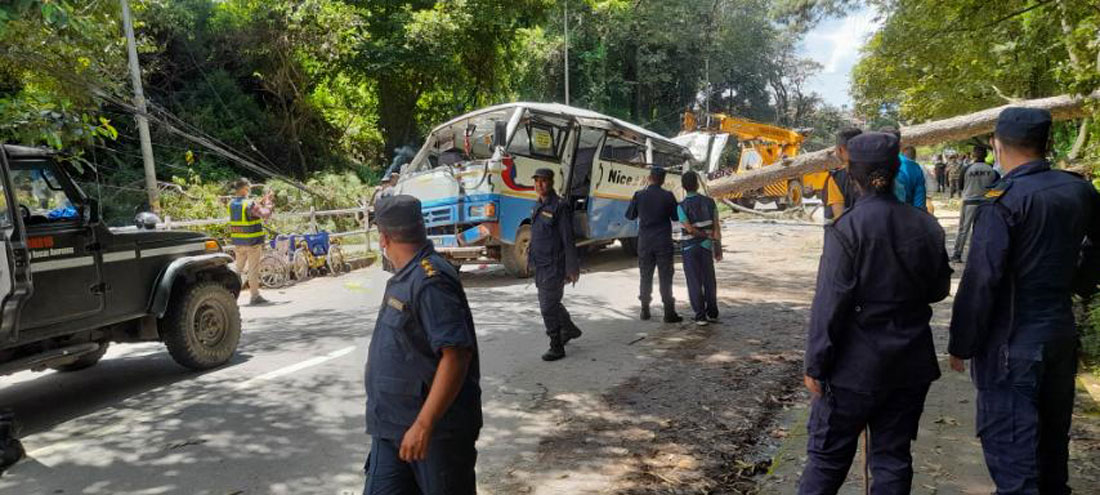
point(246, 229)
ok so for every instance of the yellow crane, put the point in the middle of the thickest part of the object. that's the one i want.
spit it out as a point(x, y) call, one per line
point(761, 145)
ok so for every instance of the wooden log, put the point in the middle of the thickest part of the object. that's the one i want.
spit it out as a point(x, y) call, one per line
point(1063, 107)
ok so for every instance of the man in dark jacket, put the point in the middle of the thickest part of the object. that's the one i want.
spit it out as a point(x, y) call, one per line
point(423, 396)
point(977, 179)
point(553, 256)
point(1013, 312)
point(655, 210)
point(869, 354)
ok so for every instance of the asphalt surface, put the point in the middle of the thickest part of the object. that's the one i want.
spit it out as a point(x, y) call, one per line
point(287, 414)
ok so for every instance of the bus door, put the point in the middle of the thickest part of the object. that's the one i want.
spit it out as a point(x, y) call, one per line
point(580, 178)
point(620, 169)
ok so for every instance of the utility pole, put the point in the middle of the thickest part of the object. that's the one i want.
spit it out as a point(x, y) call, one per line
point(706, 91)
point(139, 102)
point(566, 12)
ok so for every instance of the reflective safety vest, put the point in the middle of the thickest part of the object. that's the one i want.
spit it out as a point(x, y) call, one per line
point(242, 230)
point(700, 212)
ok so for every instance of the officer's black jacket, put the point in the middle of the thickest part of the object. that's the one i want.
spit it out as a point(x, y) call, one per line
point(655, 210)
point(424, 310)
point(1035, 242)
point(553, 253)
point(884, 262)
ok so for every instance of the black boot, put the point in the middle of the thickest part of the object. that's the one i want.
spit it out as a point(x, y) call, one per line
point(11, 451)
point(671, 316)
point(556, 351)
point(572, 333)
point(645, 312)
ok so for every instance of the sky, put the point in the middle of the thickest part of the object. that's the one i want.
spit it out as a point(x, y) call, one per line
point(835, 44)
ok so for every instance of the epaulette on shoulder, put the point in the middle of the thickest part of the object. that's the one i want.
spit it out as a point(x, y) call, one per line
point(429, 268)
point(997, 190)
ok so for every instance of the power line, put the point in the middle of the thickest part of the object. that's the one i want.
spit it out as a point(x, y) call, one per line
point(165, 119)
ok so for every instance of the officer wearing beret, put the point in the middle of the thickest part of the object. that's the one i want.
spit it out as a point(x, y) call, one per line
point(423, 397)
point(870, 357)
point(655, 210)
point(553, 256)
point(1013, 311)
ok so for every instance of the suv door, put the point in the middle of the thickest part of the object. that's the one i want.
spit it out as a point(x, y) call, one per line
point(15, 284)
point(63, 250)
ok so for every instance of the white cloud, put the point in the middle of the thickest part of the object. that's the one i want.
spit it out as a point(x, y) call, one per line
point(835, 44)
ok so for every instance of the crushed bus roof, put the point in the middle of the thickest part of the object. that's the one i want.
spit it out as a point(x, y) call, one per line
point(566, 111)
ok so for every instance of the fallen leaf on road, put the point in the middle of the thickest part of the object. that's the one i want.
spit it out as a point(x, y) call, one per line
point(947, 420)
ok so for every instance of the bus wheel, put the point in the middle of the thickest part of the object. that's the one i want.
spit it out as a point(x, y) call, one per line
point(514, 257)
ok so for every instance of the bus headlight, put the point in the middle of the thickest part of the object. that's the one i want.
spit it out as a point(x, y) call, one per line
point(485, 210)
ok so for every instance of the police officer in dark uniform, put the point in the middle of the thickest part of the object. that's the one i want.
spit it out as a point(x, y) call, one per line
point(655, 210)
point(553, 256)
point(1013, 311)
point(869, 354)
point(423, 397)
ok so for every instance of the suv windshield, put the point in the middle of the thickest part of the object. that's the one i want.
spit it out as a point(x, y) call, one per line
point(40, 195)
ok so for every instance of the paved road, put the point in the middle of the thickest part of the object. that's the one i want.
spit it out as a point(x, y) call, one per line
point(286, 416)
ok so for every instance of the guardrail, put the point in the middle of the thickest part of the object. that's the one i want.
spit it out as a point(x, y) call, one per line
point(313, 214)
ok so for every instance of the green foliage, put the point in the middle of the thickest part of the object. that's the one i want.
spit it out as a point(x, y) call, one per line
point(304, 87)
point(1090, 335)
point(935, 59)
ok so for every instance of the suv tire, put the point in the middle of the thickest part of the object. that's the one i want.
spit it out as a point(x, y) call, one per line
point(85, 361)
point(203, 326)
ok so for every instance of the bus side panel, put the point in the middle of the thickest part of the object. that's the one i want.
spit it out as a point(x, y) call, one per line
point(514, 210)
point(613, 186)
point(607, 219)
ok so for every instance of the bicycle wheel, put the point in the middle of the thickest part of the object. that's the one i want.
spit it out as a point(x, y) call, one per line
point(274, 271)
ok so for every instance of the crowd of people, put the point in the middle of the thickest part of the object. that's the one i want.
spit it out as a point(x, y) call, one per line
point(870, 356)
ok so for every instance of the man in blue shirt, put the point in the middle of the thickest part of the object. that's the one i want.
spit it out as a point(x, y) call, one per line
point(909, 185)
point(702, 246)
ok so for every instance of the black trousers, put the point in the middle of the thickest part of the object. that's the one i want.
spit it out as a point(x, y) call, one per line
point(1024, 418)
point(449, 469)
point(701, 283)
point(661, 260)
point(836, 420)
point(554, 315)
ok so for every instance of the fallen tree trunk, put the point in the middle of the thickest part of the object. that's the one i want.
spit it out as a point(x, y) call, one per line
point(953, 129)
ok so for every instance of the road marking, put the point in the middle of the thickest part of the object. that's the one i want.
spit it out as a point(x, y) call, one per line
point(309, 363)
point(41, 453)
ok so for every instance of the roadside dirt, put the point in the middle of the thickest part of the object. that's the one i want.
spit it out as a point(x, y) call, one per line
point(721, 409)
point(704, 416)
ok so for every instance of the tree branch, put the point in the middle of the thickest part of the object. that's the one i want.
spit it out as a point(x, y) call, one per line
point(1064, 107)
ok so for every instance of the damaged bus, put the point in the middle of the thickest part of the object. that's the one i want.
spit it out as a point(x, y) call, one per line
point(473, 178)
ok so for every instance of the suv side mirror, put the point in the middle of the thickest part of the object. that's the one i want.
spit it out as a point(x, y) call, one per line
point(90, 211)
point(500, 133)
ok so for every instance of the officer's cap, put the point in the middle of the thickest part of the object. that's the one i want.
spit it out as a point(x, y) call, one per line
point(873, 147)
point(398, 212)
point(1025, 124)
point(543, 173)
point(658, 172)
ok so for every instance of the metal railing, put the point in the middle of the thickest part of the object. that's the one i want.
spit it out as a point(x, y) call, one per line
point(364, 229)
